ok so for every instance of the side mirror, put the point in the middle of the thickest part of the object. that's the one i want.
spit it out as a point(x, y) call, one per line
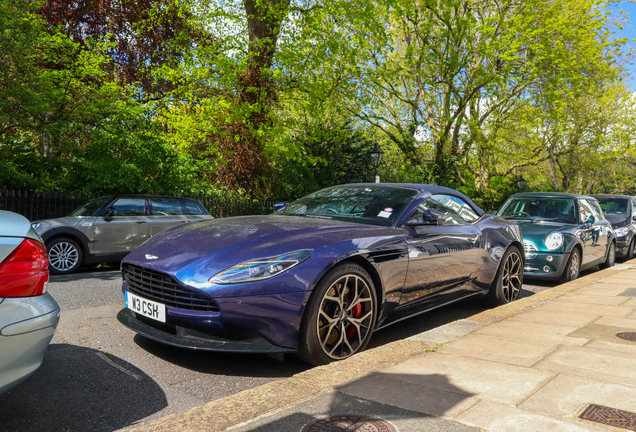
point(110, 213)
point(279, 205)
point(429, 217)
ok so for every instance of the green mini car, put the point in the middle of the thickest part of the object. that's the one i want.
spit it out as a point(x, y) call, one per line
point(562, 233)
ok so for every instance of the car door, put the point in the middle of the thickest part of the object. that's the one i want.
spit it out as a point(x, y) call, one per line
point(590, 234)
point(441, 257)
point(165, 213)
point(125, 230)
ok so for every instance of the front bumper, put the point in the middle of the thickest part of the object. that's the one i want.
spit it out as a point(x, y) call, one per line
point(27, 325)
point(256, 324)
point(622, 246)
point(537, 263)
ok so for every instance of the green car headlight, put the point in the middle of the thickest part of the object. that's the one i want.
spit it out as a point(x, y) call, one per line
point(554, 241)
point(260, 269)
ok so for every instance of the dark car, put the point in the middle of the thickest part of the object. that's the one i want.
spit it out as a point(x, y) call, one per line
point(109, 228)
point(620, 211)
point(319, 276)
point(562, 233)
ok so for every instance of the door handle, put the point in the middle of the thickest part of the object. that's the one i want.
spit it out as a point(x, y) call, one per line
point(140, 221)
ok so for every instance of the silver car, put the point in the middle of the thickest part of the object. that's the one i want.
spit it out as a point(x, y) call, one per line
point(107, 229)
point(28, 314)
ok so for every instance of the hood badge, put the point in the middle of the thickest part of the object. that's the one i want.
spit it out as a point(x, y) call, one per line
point(151, 257)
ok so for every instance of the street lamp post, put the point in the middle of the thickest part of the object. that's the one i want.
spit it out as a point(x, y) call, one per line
point(521, 183)
point(376, 159)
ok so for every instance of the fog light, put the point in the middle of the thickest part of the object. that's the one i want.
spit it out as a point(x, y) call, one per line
point(546, 269)
point(549, 258)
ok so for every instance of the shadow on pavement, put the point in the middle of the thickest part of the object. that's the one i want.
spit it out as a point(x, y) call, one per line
point(102, 273)
point(80, 389)
point(404, 400)
point(219, 363)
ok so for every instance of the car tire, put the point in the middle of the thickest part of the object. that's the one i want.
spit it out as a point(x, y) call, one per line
point(340, 316)
point(611, 256)
point(65, 255)
point(630, 250)
point(509, 279)
point(573, 266)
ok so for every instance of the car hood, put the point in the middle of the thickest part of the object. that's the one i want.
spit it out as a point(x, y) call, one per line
point(536, 232)
point(216, 244)
point(617, 221)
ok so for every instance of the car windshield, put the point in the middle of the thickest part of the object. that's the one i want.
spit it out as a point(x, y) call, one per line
point(616, 208)
point(540, 208)
point(90, 207)
point(375, 205)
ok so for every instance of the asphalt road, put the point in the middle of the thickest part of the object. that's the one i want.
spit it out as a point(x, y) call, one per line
point(99, 376)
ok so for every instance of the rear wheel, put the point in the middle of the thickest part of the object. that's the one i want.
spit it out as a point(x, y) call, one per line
point(65, 256)
point(340, 316)
point(509, 282)
point(611, 256)
point(573, 266)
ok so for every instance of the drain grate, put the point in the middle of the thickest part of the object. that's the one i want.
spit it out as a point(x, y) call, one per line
point(629, 336)
point(610, 416)
point(349, 423)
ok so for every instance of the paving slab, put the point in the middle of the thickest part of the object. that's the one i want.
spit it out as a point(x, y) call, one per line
point(610, 366)
point(617, 322)
point(577, 297)
point(568, 395)
point(602, 290)
point(602, 333)
point(336, 403)
point(556, 318)
point(496, 417)
point(498, 382)
point(504, 350)
point(582, 308)
point(610, 346)
point(387, 388)
point(532, 331)
point(449, 332)
point(630, 292)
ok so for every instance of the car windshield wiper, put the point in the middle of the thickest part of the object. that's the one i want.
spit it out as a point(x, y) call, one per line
point(553, 219)
point(517, 217)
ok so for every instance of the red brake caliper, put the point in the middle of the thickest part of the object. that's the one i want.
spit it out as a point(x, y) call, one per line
point(356, 311)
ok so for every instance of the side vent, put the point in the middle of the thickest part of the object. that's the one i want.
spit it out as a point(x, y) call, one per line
point(388, 255)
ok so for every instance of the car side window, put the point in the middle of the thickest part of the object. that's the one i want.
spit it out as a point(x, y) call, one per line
point(166, 207)
point(587, 214)
point(194, 208)
point(129, 207)
point(456, 210)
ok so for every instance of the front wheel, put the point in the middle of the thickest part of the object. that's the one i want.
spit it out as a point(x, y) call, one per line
point(340, 316)
point(573, 267)
point(65, 256)
point(630, 250)
point(611, 256)
point(509, 282)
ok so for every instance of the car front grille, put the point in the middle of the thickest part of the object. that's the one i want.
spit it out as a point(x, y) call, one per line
point(159, 287)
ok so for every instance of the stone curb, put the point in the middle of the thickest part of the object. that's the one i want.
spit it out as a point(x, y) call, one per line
point(266, 399)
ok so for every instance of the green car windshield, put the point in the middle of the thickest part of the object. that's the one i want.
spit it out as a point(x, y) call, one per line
point(540, 208)
point(374, 205)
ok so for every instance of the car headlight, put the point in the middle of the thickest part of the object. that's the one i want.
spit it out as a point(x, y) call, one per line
point(260, 269)
point(620, 232)
point(35, 226)
point(554, 241)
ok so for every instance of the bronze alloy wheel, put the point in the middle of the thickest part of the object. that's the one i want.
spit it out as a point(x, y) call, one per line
point(512, 277)
point(345, 316)
point(509, 279)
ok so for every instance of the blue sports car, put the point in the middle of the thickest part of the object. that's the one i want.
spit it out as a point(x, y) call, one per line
point(317, 277)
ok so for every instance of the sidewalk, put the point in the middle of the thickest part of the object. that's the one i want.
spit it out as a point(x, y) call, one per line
point(537, 364)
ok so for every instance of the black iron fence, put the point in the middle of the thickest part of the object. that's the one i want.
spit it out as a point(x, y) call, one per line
point(48, 205)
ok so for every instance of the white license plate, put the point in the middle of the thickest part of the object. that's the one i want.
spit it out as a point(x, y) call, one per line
point(147, 308)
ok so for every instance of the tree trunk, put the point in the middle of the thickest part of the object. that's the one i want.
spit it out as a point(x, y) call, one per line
point(553, 174)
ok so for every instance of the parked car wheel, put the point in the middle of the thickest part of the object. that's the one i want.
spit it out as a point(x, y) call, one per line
point(340, 316)
point(630, 250)
point(507, 286)
point(573, 267)
point(611, 256)
point(65, 256)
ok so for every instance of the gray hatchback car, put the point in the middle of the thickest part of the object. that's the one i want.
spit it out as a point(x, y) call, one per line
point(28, 314)
point(108, 228)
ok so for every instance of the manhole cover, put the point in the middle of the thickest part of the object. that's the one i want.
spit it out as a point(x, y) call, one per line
point(349, 423)
point(630, 336)
point(610, 416)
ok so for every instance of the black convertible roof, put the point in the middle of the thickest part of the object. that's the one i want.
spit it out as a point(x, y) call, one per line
point(432, 189)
